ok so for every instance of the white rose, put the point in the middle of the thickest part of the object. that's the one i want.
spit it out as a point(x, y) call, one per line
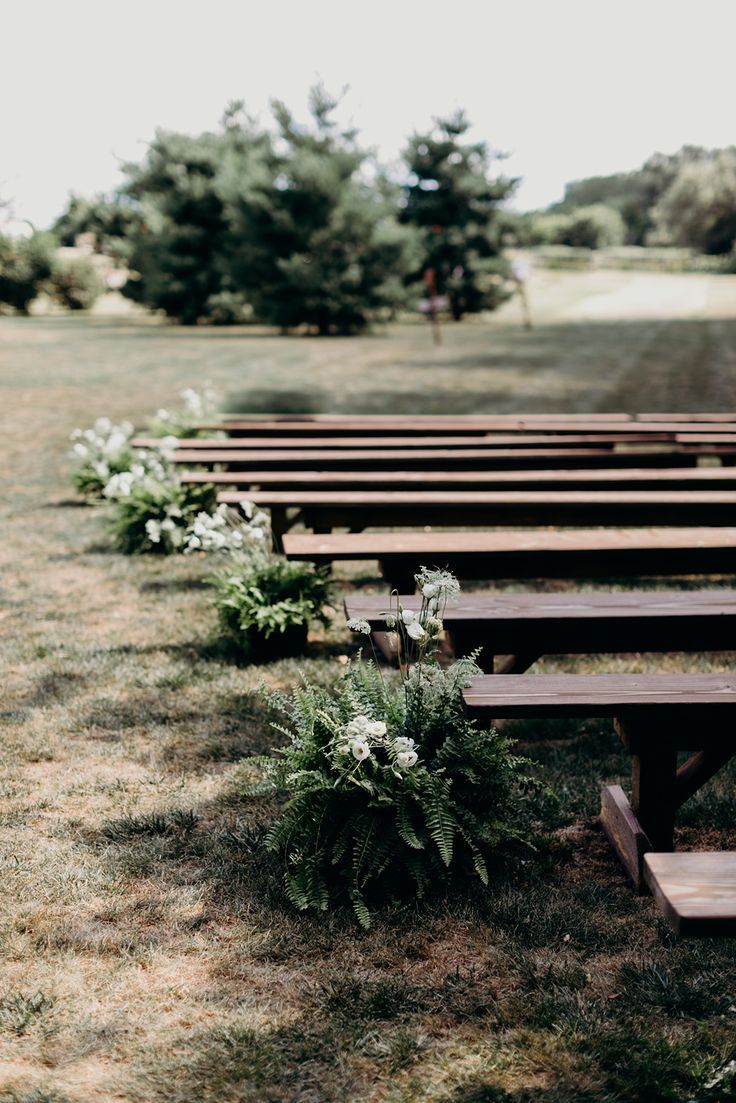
point(360, 749)
point(343, 748)
point(403, 743)
point(405, 759)
point(376, 728)
point(408, 616)
point(415, 631)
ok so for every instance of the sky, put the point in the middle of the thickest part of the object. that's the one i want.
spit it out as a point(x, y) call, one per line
point(568, 88)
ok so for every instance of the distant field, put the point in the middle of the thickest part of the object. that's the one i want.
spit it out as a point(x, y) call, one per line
point(147, 954)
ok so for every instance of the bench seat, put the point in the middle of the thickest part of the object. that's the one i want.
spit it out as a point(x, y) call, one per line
point(324, 510)
point(695, 891)
point(438, 458)
point(665, 478)
point(528, 626)
point(571, 553)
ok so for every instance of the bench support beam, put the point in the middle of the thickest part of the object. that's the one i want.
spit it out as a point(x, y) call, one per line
point(625, 834)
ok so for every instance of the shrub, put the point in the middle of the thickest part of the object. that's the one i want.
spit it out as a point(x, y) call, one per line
point(76, 284)
point(25, 264)
point(390, 789)
point(266, 604)
point(103, 451)
point(151, 510)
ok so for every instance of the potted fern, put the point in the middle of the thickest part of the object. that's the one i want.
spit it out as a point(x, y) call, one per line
point(387, 786)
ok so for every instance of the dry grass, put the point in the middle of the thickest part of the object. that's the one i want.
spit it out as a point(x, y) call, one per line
point(147, 953)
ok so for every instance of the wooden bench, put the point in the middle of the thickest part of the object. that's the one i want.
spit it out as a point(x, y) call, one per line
point(631, 478)
point(576, 553)
point(440, 459)
point(325, 510)
point(524, 627)
point(695, 891)
point(655, 716)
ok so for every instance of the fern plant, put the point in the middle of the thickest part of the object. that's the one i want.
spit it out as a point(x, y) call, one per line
point(388, 786)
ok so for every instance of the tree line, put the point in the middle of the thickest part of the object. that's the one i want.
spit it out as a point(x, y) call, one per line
point(297, 225)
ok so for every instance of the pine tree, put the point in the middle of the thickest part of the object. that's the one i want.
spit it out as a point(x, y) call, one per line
point(312, 240)
point(453, 201)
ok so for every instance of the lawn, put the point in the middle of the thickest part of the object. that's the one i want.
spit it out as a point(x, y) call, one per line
point(147, 953)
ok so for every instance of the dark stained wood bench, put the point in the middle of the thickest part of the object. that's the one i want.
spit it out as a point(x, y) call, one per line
point(470, 424)
point(696, 891)
point(655, 716)
point(325, 510)
point(631, 478)
point(572, 553)
point(524, 627)
point(440, 459)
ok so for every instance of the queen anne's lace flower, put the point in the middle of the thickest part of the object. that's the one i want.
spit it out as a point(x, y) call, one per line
point(357, 624)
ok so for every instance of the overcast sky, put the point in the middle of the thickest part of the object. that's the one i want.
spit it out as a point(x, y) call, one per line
point(569, 88)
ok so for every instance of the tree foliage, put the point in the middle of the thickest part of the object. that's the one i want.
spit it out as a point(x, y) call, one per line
point(699, 207)
point(25, 264)
point(110, 220)
point(453, 200)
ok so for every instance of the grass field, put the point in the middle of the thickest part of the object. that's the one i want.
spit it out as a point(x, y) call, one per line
point(146, 952)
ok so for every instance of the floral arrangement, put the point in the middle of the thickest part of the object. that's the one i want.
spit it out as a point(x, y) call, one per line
point(196, 406)
point(101, 452)
point(388, 785)
point(151, 509)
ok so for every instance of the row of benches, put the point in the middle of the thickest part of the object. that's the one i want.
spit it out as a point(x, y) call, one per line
point(578, 470)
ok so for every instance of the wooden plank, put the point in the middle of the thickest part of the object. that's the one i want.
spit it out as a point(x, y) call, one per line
point(486, 440)
point(624, 832)
point(578, 623)
point(441, 458)
point(356, 509)
point(695, 891)
point(673, 699)
point(703, 478)
point(653, 777)
point(583, 553)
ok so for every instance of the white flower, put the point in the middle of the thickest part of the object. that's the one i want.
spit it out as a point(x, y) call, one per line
point(409, 616)
point(415, 631)
point(430, 589)
point(376, 728)
point(163, 415)
point(153, 531)
point(360, 749)
point(406, 759)
point(103, 425)
point(247, 507)
point(80, 450)
point(167, 525)
point(342, 748)
point(434, 626)
point(357, 624)
point(358, 727)
point(403, 743)
point(390, 620)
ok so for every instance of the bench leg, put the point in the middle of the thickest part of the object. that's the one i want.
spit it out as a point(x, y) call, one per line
point(698, 769)
point(653, 794)
point(625, 833)
point(517, 664)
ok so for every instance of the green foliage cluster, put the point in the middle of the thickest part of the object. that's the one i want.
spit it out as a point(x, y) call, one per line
point(298, 226)
point(156, 513)
point(25, 265)
point(685, 198)
point(76, 284)
point(454, 202)
point(594, 227)
point(421, 796)
point(266, 603)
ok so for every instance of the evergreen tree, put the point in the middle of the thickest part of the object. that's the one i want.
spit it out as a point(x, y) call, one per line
point(25, 265)
point(453, 201)
point(177, 249)
point(111, 219)
point(312, 241)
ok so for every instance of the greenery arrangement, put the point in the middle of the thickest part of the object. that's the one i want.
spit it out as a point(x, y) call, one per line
point(151, 509)
point(101, 452)
point(388, 786)
point(25, 265)
point(76, 284)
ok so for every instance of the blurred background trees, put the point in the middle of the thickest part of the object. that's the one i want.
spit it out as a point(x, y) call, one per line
point(453, 200)
point(296, 225)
